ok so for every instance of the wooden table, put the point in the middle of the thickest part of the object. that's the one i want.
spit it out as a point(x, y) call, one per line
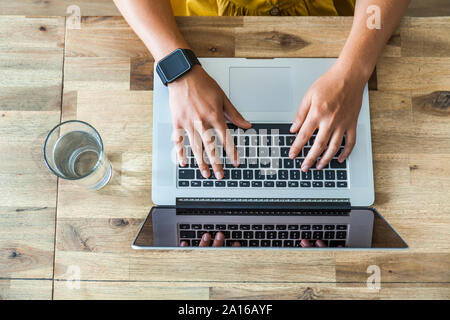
point(102, 73)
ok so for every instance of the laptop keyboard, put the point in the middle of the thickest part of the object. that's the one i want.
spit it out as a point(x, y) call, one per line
point(265, 163)
point(266, 235)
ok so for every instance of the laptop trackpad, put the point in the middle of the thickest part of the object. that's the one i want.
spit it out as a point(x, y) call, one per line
point(261, 89)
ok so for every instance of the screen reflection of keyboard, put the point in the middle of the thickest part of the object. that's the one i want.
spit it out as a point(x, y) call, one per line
point(264, 163)
point(266, 235)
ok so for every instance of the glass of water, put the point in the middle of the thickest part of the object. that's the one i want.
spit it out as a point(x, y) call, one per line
point(74, 151)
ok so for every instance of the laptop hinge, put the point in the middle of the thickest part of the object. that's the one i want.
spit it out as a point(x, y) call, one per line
point(185, 205)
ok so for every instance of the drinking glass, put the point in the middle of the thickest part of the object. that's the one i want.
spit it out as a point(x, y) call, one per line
point(73, 150)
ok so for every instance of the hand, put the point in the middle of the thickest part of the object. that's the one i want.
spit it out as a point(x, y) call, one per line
point(219, 241)
point(198, 104)
point(332, 106)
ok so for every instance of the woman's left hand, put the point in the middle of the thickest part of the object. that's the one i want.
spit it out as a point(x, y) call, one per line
point(332, 106)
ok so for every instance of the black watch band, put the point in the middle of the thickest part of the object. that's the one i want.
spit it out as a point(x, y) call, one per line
point(176, 64)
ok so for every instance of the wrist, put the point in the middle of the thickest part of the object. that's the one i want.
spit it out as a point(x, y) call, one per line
point(354, 70)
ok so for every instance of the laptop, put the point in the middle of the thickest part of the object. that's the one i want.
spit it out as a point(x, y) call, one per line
point(267, 201)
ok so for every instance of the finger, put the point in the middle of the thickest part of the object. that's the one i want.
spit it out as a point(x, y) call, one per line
point(184, 244)
point(227, 142)
point(219, 239)
point(320, 244)
point(178, 141)
point(333, 148)
point(301, 114)
point(350, 141)
point(233, 115)
point(320, 143)
point(197, 148)
point(305, 243)
point(236, 244)
point(302, 138)
point(209, 142)
point(205, 241)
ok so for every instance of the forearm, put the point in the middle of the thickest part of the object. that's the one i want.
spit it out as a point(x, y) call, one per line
point(365, 45)
point(154, 22)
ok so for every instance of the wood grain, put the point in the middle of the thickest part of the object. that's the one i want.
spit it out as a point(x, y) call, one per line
point(107, 82)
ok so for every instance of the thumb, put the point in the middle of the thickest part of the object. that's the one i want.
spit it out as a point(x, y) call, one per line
point(234, 116)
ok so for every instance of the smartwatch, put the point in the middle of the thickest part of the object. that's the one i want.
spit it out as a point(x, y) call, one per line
point(175, 65)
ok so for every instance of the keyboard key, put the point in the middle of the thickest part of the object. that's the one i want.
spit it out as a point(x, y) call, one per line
point(307, 175)
point(288, 243)
point(341, 234)
point(226, 174)
point(298, 162)
point(221, 226)
point(248, 174)
point(297, 244)
point(281, 184)
point(257, 227)
point(288, 163)
point(306, 235)
point(245, 227)
point(305, 227)
point(293, 227)
point(329, 174)
point(220, 183)
point(196, 226)
point(248, 234)
point(253, 163)
point(184, 183)
point(186, 174)
point(256, 184)
point(232, 184)
point(318, 184)
point(341, 184)
point(244, 243)
point(195, 243)
point(232, 227)
point(293, 184)
point(279, 141)
point(208, 183)
point(305, 151)
point(271, 234)
point(260, 235)
point(283, 235)
point(269, 184)
point(284, 152)
point(265, 243)
point(281, 227)
point(236, 174)
point(271, 174)
point(201, 233)
point(305, 184)
point(184, 226)
point(335, 164)
point(276, 243)
point(329, 235)
point(337, 243)
point(229, 243)
point(317, 235)
point(260, 175)
point(269, 227)
point(294, 174)
point(282, 174)
point(330, 184)
point(318, 174)
point(341, 175)
point(341, 227)
point(263, 152)
point(290, 140)
point(294, 235)
point(236, 234)
point(187, 234)
point(208, 227)
point(329, 227)
point(244, 184)
point(254, 243)
point(317, 227)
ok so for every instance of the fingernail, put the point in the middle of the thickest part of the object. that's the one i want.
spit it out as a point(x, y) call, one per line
point(219, 175)
point(205, 237)
point(205, 173)
point(294, 125)
point(291, 155)
point(305, 168)
point(320, 166)
point(219, 236)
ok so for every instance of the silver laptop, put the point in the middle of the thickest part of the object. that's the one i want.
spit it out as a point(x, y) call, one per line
point(268, 189)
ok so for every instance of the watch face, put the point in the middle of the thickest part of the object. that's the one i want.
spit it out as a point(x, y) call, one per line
point(174, 65)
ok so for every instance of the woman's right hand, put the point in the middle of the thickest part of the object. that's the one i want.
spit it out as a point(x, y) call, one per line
point(198, 105)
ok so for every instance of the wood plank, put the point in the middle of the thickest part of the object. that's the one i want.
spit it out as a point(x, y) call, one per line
point(18, 289)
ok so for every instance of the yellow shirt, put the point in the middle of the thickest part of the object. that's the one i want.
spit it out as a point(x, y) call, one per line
point(263, 7)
